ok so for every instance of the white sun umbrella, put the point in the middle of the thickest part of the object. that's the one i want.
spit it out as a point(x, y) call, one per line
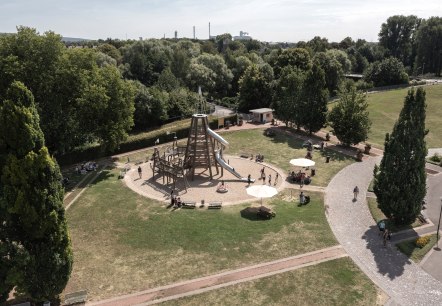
point(261, 191)
point(302, 162)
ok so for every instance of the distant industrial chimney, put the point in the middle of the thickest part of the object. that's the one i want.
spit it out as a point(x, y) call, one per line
point(176, 34)
point(209, 30)
point(193, 32)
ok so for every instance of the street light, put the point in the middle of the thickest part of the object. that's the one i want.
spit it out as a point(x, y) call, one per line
point(438, 226)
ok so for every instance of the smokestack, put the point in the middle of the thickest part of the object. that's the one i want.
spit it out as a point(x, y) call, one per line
point(193, 32)
point(209, 30)
point(176, 34)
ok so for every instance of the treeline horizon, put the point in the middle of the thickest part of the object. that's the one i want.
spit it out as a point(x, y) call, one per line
point(99, 91)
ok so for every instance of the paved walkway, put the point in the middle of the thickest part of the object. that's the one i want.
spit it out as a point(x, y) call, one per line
point(212, 282)
point(404, 281)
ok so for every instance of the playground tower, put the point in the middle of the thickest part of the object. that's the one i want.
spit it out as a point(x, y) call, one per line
point(200, 150)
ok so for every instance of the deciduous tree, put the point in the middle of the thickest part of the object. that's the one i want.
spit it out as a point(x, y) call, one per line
point(429, 51)
point(315, 96)
point(349, 117)
point(256, 87)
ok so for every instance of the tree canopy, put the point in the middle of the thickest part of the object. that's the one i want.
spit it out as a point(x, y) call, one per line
point(349, 117)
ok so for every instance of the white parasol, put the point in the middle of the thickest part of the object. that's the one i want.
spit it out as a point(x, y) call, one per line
point(302, 162)
point(261, 191)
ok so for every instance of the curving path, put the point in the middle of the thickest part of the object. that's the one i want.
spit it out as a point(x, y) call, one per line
point(404, 281)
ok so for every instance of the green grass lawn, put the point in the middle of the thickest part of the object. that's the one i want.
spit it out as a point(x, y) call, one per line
point(378, 215)
point(414, 252)
point(384, 108)
point(337, 282)
point(281, 148)
point(124, 242)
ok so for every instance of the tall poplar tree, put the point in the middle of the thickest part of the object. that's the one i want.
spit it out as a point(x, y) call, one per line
point(35, 250)
point(399, 182)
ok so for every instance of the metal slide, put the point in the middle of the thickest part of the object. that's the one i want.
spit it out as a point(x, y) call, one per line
point(220, 159)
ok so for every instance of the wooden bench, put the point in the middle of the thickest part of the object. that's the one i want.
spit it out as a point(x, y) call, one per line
point(189, 204)
point(215, 205)
point(75, 297)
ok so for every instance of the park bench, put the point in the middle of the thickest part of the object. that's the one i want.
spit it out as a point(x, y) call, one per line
point(75, 297)
point(215, 205)
point(189, 204)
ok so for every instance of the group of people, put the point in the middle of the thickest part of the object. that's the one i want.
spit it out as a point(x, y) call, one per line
point(269, 178)
point(300, 177)
point(259, 158)
point(83, 168)
point(175, 201)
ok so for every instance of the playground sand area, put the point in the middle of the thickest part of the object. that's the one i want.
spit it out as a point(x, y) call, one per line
point(202, 187)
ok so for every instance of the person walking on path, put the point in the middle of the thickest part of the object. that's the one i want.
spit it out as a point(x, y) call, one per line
point(270, 180)
point(140, 171)
point(355, 193)
point(276, 179)
point(386, 236)
point(249, 179)
point(381, 226)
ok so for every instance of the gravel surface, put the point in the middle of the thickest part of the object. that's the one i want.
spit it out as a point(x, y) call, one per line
point(202, 188)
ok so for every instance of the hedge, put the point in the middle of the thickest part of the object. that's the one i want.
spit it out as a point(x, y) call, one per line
point(136, 142)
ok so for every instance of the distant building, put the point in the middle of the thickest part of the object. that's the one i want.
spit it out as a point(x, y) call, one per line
point(242, 36)
point(176, 34)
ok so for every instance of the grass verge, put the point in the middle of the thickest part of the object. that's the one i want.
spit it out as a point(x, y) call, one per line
point(378, 215)
point(412, 251)
point(337, 282)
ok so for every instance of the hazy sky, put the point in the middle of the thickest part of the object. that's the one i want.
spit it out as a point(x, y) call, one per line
point(268, 20)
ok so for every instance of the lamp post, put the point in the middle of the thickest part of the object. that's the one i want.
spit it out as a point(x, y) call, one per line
point(438, 226)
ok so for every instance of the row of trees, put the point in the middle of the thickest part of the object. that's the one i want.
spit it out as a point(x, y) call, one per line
point(141, 84)
point(416, 42)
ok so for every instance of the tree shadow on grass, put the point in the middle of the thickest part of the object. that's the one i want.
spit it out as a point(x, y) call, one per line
point(390, 262)
point(251, 213)
point(103, 176)
point(334, 155)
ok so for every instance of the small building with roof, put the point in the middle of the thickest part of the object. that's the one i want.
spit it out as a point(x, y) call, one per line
point(261, 115)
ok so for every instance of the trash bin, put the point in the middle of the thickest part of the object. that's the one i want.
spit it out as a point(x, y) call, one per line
point(327, 159)
point(313, 172)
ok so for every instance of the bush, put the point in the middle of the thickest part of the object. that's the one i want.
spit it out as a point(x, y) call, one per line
point(422, 241)
point(363, 85)
point(229, 102)
point(436, 158)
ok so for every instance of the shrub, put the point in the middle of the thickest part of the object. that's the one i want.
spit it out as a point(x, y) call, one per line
point(363, 85)
point(422, 241)
point(436, 158)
